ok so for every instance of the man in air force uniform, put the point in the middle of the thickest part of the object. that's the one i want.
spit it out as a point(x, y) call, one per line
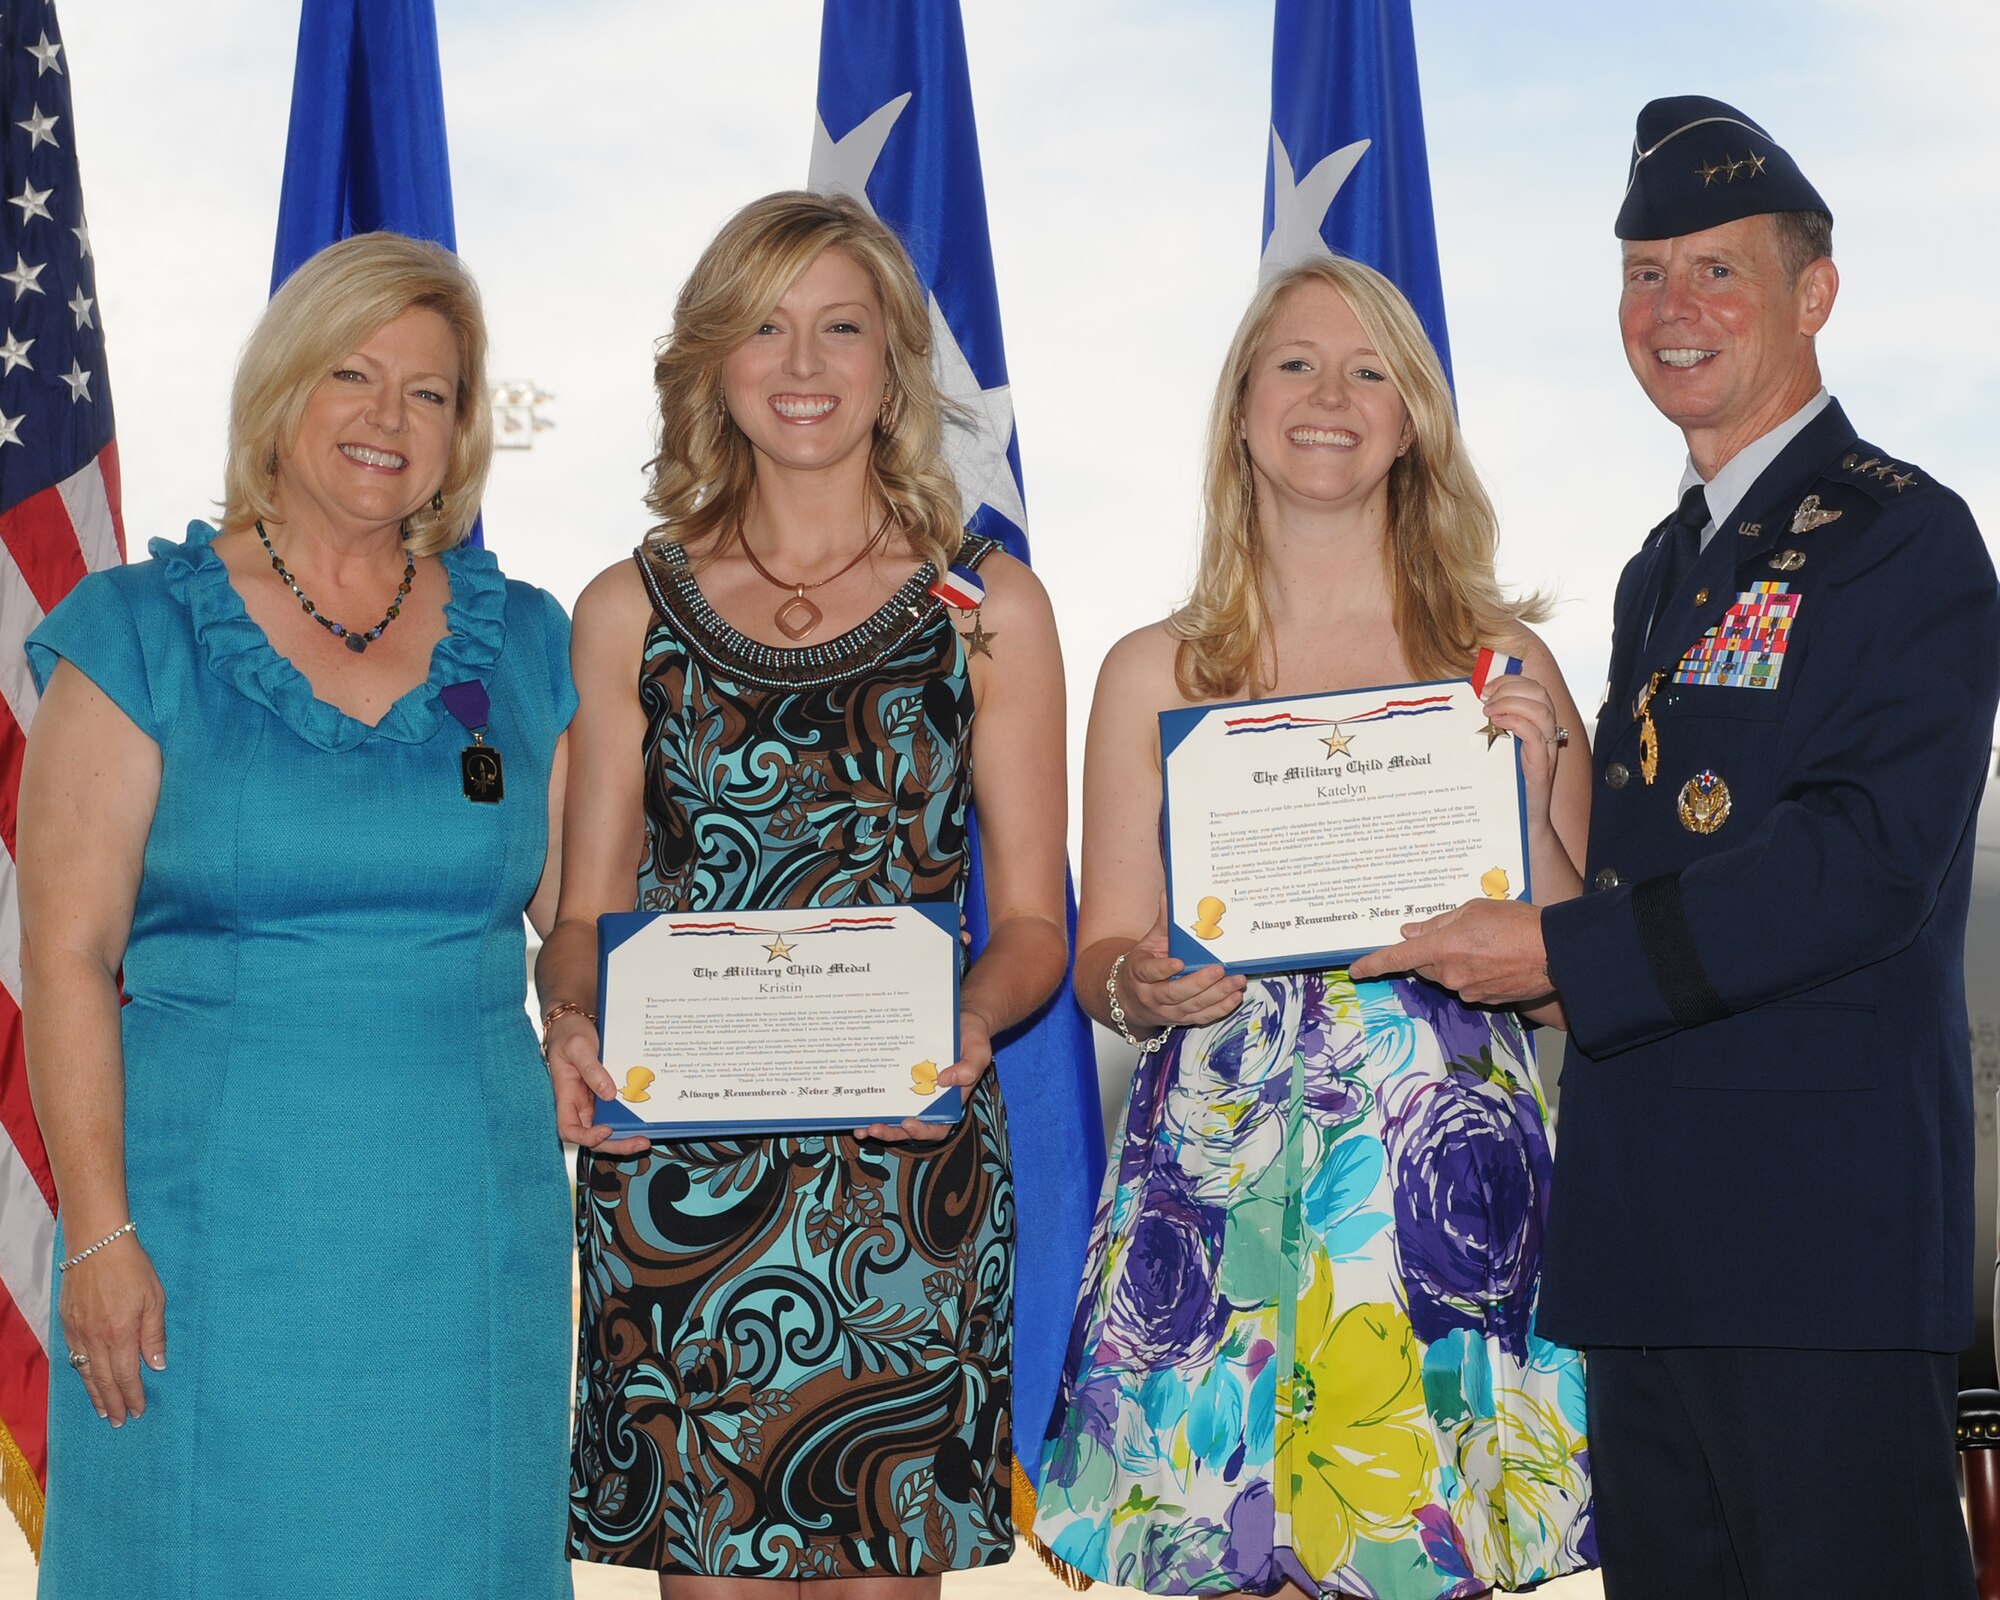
point(1761, 1213)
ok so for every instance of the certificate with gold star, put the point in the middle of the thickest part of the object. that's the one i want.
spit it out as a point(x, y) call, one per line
point(720, 1022)
point(1303, 832)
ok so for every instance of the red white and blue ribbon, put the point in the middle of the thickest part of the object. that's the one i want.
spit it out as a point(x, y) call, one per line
point(1402, 708)
point(1490, 665)
point(1285, 721)
point(960, 589)
point(1276, 722)
point(709, 930)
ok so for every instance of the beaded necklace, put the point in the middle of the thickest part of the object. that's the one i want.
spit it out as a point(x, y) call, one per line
point(354, 639)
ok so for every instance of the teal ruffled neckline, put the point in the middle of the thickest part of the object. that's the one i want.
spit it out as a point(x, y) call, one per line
point(238, 652)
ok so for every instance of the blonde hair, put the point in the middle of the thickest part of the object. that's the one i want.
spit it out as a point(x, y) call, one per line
point(703, 473)
point(321, 313)
point(1445, 602)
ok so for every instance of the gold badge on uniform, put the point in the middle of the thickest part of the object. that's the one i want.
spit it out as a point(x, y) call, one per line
point(1704, 802)
point(1649, 735)
point(1811, 514)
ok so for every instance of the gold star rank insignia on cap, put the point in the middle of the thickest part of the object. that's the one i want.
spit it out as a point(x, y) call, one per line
point(1811, 514)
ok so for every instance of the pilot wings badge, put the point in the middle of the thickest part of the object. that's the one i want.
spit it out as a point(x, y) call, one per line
point(1811, 514)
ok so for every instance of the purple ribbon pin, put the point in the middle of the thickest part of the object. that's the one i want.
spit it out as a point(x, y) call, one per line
point(469, 703)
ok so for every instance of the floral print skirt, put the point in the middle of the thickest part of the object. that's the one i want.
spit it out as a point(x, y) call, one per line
point(1305, 1347)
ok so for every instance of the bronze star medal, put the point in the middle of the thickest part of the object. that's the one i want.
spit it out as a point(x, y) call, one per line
point(780, 951)
point(1336, 742)
point(978, 642)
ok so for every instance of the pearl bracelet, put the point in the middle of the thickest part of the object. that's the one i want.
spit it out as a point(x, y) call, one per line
point(90, 1250)
point(1145, 1047)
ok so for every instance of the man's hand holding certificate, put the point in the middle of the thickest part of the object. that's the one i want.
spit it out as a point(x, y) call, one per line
point(1305, 832)
point(767, 1021)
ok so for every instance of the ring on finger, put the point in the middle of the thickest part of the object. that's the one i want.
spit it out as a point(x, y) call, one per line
point(1560, 740)
point(78, 1360)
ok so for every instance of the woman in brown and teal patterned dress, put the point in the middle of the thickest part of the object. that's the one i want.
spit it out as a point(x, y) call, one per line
point(794, 1354)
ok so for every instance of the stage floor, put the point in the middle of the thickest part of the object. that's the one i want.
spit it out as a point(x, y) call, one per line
point(1023, 1578)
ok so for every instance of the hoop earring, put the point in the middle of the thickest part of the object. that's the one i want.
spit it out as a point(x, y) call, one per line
point(885, 414)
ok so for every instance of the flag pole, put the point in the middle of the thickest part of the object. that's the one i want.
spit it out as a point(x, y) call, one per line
point(896, 131)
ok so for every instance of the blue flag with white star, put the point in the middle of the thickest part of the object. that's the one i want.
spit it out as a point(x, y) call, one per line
point(1347, 169)
point(366, 148)
point(895, 131)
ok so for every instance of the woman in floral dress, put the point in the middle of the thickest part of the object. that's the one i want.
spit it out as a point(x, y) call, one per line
point(1305, 1349)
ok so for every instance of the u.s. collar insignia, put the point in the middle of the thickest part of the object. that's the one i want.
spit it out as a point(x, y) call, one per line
point(1811, 514)
point(1704, 802)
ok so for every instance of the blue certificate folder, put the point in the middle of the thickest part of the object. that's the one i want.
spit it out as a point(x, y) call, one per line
point(617, 928)
point(1300, 733)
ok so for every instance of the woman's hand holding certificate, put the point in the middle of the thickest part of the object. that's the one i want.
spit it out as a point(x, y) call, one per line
point(1158, 990)
point(975, 1055)
point(570, 1047)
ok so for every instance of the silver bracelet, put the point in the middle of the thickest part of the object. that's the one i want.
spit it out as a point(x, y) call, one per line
point(90, 1250)
point(1145, 1047)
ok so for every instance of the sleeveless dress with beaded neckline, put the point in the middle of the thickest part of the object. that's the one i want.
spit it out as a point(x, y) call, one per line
point(340, 1139)
point(794, 1358)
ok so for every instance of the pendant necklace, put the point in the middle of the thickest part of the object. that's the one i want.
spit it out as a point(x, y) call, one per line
point(356, 640)
point(798, 616)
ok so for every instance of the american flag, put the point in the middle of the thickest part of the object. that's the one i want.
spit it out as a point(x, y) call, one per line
point(59, 519)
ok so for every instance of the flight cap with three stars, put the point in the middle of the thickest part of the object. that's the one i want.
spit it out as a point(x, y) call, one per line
point(1698, 163)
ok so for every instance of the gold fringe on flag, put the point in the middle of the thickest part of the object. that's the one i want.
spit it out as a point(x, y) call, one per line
point(24, 1496)
point(1024, 1524)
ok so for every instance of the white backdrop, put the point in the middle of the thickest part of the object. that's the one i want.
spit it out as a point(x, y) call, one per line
point(597, 145)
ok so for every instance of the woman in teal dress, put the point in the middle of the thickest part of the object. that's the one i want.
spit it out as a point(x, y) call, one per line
point(1304, 1357)
point(314, 1276)
point(794, 1362)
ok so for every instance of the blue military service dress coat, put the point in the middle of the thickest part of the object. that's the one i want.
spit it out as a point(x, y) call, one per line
point(1766, 1112)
